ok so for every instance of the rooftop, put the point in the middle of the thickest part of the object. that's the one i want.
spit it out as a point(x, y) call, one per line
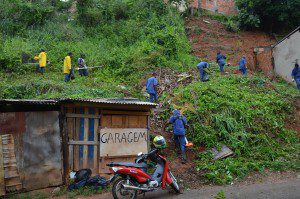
point(118, 101)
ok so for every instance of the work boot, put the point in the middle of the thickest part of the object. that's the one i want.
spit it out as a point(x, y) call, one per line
point(184, 159)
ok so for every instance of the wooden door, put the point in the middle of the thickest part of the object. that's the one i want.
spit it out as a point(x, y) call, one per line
point(82, 128)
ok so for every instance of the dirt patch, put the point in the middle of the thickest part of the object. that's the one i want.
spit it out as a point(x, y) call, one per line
point(208, 38)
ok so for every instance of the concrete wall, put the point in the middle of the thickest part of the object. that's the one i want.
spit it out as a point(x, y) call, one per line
point(285, 53)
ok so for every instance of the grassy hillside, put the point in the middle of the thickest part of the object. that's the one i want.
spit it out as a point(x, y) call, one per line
point(250, 115)
point(129, 38)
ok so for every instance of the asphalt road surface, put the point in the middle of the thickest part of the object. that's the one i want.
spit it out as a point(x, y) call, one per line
point(289, 189)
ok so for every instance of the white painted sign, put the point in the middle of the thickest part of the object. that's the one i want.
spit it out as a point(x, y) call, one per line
point(123, 141)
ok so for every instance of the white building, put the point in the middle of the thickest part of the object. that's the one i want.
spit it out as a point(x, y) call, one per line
point(285, 53)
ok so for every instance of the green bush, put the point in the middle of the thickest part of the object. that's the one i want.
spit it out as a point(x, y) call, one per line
point(20, 15)
point(231, 25)
point(231, 22)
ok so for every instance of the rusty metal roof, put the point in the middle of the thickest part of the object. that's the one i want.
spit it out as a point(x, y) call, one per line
point(118, 101)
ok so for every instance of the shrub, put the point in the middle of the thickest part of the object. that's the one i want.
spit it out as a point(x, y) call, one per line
point(257, 13)
point(19, 15)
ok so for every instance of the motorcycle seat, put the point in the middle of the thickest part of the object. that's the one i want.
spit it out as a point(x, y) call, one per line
point(128, 164)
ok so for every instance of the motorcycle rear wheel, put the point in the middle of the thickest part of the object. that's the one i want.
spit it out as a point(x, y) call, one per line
point(174, 183)
point(120, 193)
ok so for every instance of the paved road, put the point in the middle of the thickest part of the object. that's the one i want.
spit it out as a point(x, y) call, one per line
point(281, 190)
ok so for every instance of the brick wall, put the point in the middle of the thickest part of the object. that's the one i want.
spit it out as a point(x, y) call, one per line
point(220, 6)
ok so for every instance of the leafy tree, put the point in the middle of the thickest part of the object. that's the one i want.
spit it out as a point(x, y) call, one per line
point(272, 15)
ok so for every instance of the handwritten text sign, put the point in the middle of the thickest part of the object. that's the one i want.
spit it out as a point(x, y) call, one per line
point(122, 142)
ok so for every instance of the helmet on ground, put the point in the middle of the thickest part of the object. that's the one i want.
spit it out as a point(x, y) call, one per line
point(159, 142)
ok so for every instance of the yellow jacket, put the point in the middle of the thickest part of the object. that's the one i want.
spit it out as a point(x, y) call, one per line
point(42, 59)
point(67, 64)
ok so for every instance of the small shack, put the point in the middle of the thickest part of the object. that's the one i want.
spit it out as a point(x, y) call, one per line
point(41, 141)
point(285, 53)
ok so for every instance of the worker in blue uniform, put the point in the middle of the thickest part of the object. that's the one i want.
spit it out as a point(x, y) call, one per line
point(151, 85)
point(242, 66)
point(296, 75)
point(179, 123)
point(220, 59)
point(203, 74)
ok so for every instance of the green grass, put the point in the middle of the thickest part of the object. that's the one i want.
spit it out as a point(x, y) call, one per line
point(248, 114)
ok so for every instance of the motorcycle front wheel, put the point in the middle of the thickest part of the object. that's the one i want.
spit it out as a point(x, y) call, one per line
point(174, 183)
point(119, 192)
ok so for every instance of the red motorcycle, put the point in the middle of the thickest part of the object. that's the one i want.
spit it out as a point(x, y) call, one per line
point(133, 178)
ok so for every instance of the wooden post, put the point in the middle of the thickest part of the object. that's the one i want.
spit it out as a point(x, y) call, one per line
point(64, 144)
point(85, 138)
point(76, 147)
point(199, 7)
point(2, 183)
point(96, 126)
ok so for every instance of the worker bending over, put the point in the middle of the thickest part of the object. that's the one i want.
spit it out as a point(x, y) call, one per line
point(42, 58)
point(151, 88)
point(203, 73)
point(220, 59)
point(179, 123)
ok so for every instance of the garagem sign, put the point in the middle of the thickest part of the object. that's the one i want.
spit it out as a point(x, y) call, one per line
point(123, 142)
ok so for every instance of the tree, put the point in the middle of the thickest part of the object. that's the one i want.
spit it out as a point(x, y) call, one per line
point(271, 15)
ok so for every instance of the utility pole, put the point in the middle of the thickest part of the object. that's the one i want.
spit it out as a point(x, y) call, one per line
point(199, 7)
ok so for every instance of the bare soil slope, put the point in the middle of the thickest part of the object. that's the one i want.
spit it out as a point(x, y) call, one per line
point(209, 36)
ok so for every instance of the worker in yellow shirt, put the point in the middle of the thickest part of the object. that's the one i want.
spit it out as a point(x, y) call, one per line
point(42, 58)
point(68, 72)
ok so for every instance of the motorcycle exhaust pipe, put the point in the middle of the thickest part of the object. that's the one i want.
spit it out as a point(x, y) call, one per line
point(136, 188)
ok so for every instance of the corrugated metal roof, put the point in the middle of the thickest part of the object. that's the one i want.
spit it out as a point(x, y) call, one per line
point(119, 101)
point(29, 101)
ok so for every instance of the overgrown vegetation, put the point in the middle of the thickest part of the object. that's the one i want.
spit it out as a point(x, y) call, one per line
point(271, 15)
point(248, 115)
point(231, 22)
point(129, 38)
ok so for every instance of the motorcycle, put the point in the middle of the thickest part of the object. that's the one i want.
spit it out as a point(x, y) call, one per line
point(133, 179)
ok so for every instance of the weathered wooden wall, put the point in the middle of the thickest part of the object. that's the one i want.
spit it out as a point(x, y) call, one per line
point(84, 125)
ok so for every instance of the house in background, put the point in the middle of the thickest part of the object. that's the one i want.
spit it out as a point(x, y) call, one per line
point(219, 6)
point(285, 54)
